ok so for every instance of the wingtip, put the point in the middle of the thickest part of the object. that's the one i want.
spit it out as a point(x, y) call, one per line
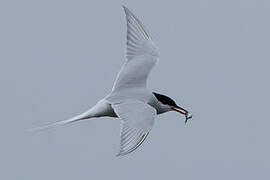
point(125, 8)
point(127, 11)
point(121, 154)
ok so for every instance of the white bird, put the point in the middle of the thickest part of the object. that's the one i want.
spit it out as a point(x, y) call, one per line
point(130, 100)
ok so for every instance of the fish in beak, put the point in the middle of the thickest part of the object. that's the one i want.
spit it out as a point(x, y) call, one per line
point(182, 111)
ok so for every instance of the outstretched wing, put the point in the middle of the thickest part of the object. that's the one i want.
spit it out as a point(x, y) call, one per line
point(141, 54)
point(137, 119)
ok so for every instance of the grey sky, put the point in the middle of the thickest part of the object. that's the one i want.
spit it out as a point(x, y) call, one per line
point(58, 57)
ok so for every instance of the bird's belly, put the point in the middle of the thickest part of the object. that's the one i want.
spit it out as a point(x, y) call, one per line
point(108, 111)
point(103, 108)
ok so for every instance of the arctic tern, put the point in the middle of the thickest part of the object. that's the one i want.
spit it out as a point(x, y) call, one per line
point(130, 100)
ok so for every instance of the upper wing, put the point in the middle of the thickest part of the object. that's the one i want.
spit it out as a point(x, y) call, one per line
point(137, 119)
point(141, 55)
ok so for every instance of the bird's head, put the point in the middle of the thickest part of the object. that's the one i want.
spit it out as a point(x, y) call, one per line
point(169, 105)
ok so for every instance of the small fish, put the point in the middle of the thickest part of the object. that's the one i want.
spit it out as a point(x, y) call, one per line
point(188, 116)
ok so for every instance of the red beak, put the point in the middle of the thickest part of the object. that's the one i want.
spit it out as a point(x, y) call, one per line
point(182, 111)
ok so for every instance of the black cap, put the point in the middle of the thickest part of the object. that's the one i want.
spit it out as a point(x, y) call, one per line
point(165, 99)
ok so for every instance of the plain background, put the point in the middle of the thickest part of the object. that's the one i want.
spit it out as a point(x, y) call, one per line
point(59, 57)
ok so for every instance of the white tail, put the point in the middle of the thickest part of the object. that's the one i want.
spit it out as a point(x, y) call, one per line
point(102, 108)
point(59, 123)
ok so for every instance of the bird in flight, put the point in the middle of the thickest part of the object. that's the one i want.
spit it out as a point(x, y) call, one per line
point(130, 100)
